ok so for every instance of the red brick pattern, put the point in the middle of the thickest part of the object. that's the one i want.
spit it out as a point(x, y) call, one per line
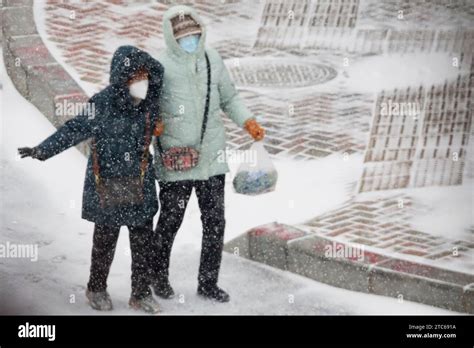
point(370, 26)
point(87, 32)
point(384, 224)
point(81, 31)
point(317, 125)
point(423, 147)
point(309, 126)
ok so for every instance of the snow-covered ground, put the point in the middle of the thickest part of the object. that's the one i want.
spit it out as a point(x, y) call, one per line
point(449, 209)
point(41, 201)
point(391, 71)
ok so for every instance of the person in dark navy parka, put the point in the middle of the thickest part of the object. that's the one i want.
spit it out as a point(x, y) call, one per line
point(120, 122)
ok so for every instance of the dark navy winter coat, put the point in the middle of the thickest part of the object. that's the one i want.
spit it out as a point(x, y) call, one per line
point(118, 128)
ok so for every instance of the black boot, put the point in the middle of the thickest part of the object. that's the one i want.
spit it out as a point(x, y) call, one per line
point(213, 292)
point(163, 289)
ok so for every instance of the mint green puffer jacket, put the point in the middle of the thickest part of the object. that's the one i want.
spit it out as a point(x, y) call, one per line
point(183, 100)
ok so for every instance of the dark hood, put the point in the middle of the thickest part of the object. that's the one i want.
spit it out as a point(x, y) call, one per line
point(125, 62)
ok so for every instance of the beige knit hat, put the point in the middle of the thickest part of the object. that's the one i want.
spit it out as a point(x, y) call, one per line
point(184, 26)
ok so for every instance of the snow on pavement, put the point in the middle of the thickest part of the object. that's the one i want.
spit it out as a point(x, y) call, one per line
point(391, 71)
point(41, 201)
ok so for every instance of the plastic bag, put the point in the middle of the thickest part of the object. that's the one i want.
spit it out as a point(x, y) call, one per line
point(257, 177)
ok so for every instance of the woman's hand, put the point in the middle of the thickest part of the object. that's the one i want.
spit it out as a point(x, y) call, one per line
point(254, 129)
point(159, 128)
point(32, 152)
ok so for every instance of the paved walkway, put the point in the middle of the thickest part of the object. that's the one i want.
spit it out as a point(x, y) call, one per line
point(384, 223)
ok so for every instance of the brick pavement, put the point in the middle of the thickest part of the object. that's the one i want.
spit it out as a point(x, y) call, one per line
point(316, 120)
point(384, 223)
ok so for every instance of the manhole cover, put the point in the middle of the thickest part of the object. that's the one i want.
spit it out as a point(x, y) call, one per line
point(279, 72)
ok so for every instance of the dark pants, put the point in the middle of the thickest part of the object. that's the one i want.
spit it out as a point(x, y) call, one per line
point(174, 197)
point(103, 250)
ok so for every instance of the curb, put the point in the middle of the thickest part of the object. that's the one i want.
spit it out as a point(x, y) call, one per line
point(291, 249)
point(34, 71)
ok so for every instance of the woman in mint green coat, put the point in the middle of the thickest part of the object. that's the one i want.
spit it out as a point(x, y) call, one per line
point(182, 105)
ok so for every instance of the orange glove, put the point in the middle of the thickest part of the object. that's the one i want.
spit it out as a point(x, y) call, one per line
point(254, 129)
point(159, 128)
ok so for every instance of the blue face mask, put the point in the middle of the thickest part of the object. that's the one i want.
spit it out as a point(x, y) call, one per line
point(189, 43)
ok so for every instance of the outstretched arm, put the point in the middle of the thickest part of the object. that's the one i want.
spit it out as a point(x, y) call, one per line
point(71, 133)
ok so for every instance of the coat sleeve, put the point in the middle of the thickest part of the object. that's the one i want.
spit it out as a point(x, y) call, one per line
point(230, 101)
point(74, 131)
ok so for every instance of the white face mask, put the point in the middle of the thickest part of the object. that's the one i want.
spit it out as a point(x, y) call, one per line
point(139, 89)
